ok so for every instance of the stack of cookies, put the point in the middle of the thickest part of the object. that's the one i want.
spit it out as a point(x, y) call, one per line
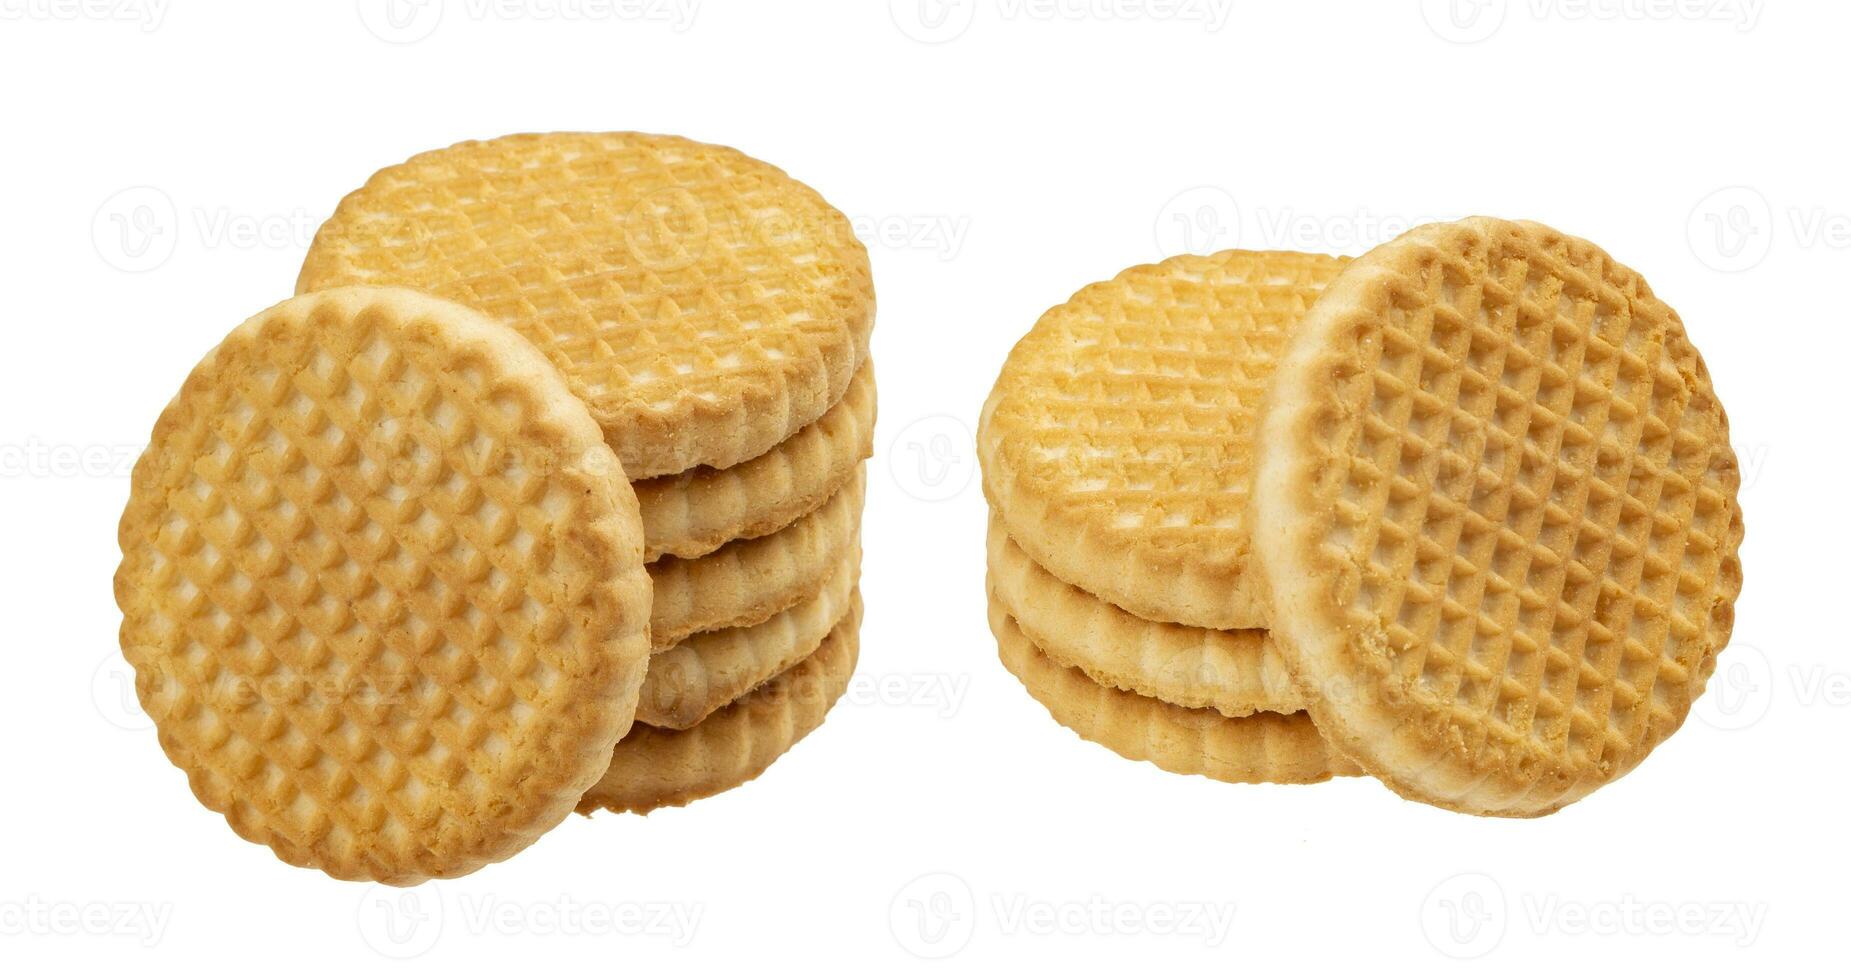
point(543, 494)
point(714, 315)
point(1460, 514)
point(1117, 448)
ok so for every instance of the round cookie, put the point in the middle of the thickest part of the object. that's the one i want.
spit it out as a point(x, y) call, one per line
point(382, 586)
point(1496, 504)
point(702, 303)
point(1117, 444)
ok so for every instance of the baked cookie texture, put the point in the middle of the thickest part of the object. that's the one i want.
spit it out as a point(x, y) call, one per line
point(703, 304)
point(1117, 443)
point(1497, 507)
point(383, 587)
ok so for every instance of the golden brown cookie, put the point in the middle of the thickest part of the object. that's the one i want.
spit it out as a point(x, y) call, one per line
point(1117, 445)
point(1496, 504)
point(1266, 747)
point(689, 514)
point(704, 305)
point(382, 585)
point(657, 767)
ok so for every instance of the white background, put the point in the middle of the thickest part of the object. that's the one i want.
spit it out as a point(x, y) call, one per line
point(166, 163)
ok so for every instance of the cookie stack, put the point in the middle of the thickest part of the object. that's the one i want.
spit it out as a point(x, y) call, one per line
point(560, 443)
point(714, 316)
point(1460, 514)
point(1116, 450)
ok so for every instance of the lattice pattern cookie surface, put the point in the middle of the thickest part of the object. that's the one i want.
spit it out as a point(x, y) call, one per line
point(703, 304)
point(1235, 672)
point(1497, 505)
point(708, 671)
point(1260, 748)
point(1117, 444)
point(687, 515)
point(382, 586)
point(656, 767)
point(748, 582)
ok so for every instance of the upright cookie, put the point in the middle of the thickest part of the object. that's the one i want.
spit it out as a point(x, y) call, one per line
point(382, 586)
point(1117, 445)
point(1496, 504)
point(703, 304)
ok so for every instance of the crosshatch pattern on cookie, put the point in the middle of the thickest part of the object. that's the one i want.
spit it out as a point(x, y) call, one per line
point(1531, 489)
point(670, 280)
point(351, 609)
point(1119, 441)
